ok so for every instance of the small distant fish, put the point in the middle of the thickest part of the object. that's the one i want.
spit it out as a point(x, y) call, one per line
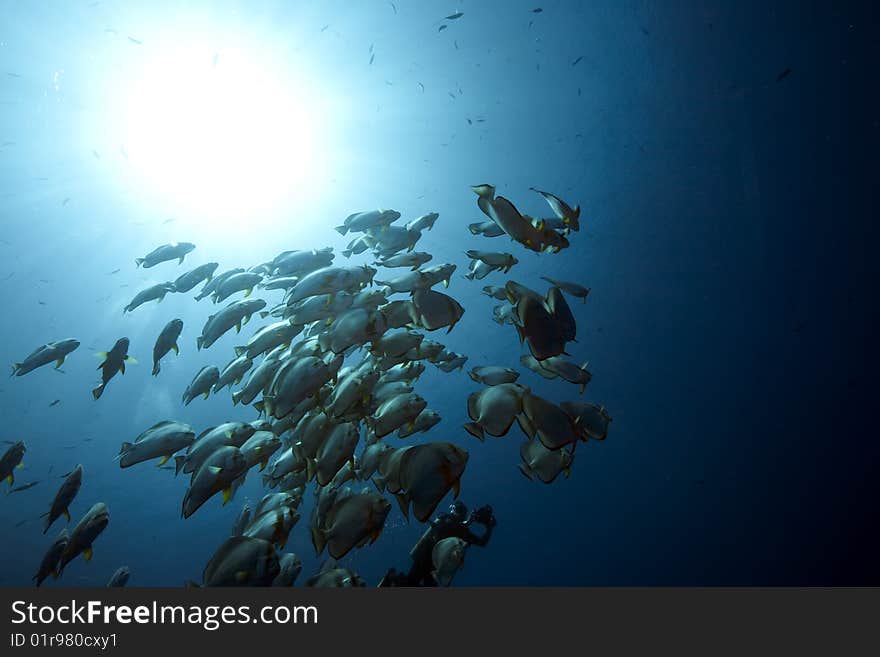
point(783, 75)
point(442, 27)
point(123, 152)
point(470, 122)
point(167, 221)
point(214, 61)
point(325, 27)
point(65, 201)
point(42, 303)
point(451, 95)
point(422, 87)
point(110, 30)
point(115, 271)
point(371, 47)
point(8, 143)
point(45, 280)
point(575, 62)
point(12, 75)
point(481, 120)
point(69, 447)
point(21, 522)
point(55, 403)
point(95, 153)
point(372, 57)
point(11, 274)
point(18, 489)
point(133, 40)
point(645, 31)
point(393, 7)
point(537, 10)
point(579, 91)
point(455, 16)
point(455, 43)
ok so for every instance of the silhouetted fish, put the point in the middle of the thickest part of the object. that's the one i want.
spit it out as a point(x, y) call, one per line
point(783, 75)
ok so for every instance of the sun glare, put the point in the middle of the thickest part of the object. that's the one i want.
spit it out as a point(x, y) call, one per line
point(218, 135)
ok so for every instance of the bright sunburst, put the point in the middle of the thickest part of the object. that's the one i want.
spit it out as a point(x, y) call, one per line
point(219, 134)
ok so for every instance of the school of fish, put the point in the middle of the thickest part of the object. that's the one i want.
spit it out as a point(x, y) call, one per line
point(331, 377)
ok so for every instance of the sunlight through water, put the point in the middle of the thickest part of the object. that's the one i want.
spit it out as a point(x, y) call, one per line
point(220, 135)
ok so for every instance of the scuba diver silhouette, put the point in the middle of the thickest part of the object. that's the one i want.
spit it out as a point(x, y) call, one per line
point(454, 522)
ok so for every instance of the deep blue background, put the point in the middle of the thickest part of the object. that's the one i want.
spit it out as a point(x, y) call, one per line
point(729, 231)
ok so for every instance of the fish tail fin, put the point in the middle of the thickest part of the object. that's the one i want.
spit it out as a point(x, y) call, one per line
point(236, 396)
point(403, 503)
point(15, 368)
point(199, 342)
point(525, 470)
point(240, 351)
point(156, 368)
point(475, 430)
point(179, 462)
point(125, 447)
point(138, 262)
point(319, 540)
point(342, 230)
point(97, 392)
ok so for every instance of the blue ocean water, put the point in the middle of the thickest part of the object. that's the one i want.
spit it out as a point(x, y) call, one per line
point(716, 151)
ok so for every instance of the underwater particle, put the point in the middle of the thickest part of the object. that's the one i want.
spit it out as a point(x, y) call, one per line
point(576, 61)
point(784, 74)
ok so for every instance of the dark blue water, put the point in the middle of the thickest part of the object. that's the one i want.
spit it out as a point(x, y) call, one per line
point(726, 219)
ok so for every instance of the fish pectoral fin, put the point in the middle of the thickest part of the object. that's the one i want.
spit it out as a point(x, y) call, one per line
point(59, 362)
point(88, 553)
point(122, 368)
